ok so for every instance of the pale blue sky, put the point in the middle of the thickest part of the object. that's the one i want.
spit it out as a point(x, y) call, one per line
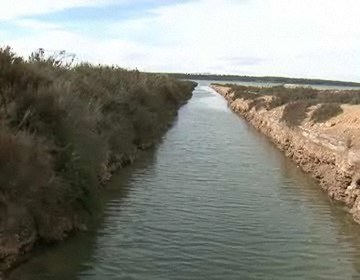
point(298, 38)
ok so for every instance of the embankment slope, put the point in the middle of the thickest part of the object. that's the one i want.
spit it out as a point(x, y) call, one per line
point(326, 148)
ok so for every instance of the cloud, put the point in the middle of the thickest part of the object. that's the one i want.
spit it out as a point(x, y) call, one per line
point(18, 8)
point(242, 60)
point(32, 24)
point(302, 38)
point(111, 51)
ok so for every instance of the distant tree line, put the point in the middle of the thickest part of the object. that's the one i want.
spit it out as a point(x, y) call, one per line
point(265, 79)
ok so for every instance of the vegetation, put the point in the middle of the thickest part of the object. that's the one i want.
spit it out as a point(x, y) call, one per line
point(297, 101)
point(326, 111)
point(65, 129)
point(295, 112)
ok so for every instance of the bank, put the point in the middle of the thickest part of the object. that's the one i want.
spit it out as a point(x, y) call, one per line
point(65, 129)
point(326, 148)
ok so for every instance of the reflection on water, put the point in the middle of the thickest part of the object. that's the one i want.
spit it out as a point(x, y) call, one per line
point(216, 200)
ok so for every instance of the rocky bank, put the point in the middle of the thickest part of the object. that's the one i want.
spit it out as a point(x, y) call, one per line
point(329, 152)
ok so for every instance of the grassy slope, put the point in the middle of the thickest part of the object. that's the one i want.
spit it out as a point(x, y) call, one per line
point(63, 131)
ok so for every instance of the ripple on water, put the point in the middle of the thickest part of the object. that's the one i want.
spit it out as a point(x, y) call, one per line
point(218, 201)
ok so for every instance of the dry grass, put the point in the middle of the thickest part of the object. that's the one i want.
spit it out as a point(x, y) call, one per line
point(297, 101)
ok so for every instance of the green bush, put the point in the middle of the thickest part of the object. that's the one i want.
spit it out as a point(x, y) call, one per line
point(295, 112)
point(65, 128)
point(326, 111)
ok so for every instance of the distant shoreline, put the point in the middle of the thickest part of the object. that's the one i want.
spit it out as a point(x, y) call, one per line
point(265, 79)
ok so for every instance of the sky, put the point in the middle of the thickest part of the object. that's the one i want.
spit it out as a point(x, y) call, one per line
point(294, 38)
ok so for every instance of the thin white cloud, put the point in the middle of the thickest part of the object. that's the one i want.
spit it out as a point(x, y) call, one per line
point(34, 24)
point(18, 8)
point(111, 51)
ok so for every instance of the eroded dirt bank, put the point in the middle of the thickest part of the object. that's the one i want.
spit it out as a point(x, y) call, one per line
point(328, 151)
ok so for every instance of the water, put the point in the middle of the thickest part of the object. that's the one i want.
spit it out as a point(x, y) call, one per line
point(216, 200)
point(271, 84)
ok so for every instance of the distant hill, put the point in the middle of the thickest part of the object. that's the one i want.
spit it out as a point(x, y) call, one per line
point(266, 79)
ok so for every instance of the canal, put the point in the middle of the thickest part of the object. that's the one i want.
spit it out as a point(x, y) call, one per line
point(214, 200)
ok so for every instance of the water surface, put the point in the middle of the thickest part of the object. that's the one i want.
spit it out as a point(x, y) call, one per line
point(271, 84)
point(216, 200)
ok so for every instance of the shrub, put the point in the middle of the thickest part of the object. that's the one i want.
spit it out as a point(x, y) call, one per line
point(25, 164)
point(326, 111)
point(297, 101)
point(295, 112)
point(245, 92)
point(64, 128)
